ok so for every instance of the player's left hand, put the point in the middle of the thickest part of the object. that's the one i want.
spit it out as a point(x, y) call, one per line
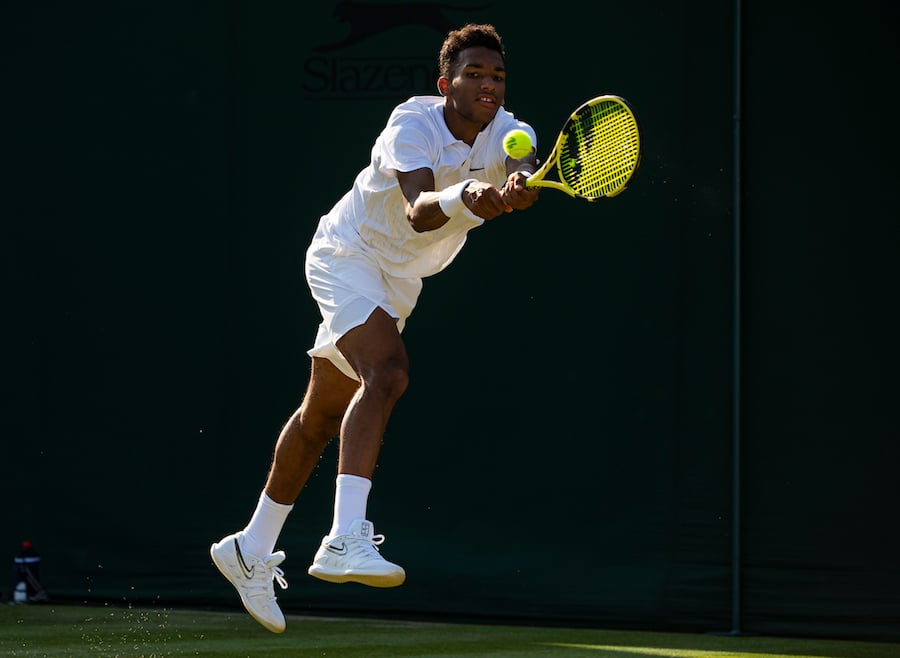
point(515, 194)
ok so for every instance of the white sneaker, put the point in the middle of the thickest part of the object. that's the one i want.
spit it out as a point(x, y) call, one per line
point(355, 558)
point(252, 578)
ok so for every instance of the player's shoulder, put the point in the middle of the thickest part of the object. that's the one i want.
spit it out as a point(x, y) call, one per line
point(419, 115)
point(504, 121)
point(418, 108)
point(425, 103)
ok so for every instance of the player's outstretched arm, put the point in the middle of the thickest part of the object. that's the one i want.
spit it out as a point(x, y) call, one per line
point(428, 209)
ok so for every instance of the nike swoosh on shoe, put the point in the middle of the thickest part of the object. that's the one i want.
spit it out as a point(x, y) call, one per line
point(248, 571)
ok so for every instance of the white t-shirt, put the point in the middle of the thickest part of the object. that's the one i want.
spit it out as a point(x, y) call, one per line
point(371, 215)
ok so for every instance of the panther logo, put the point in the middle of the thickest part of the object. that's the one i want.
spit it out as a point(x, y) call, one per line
point(367, 20)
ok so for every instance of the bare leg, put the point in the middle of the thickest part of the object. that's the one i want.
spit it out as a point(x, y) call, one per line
point(309, 430)
point(335, 402)
point(377, 354)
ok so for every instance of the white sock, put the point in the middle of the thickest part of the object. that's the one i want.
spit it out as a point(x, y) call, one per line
point(350, 499)
point(265, 525)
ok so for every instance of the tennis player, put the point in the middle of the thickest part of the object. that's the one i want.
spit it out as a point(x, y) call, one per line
point(437, 171)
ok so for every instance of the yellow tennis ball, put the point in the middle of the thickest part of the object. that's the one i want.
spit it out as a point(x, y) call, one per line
point(517, 144)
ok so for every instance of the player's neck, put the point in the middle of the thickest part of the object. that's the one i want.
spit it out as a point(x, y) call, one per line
point(460, 127)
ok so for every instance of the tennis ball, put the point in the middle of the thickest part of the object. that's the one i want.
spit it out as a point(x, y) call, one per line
point(517, 144)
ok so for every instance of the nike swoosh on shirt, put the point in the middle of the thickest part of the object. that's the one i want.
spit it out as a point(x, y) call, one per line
point(476, 169)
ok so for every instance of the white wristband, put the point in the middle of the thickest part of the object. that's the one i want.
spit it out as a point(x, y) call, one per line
point(450, 198)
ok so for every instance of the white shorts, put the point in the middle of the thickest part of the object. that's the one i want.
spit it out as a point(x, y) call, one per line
point(347, 285)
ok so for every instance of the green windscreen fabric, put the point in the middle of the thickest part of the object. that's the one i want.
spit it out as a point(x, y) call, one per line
point(565, 450)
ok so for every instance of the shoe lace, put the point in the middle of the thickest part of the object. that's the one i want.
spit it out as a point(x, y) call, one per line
point(278, 576)
point(263, 585)
point(369, 543)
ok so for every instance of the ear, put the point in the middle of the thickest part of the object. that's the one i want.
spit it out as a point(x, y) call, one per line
point(443, 84)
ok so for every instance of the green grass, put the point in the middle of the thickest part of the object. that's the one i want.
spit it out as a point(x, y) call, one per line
point(62, 630)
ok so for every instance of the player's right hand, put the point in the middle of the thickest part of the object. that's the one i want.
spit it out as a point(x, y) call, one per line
point(485, 200)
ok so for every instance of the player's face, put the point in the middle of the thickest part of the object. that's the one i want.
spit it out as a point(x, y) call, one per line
point(478, 87)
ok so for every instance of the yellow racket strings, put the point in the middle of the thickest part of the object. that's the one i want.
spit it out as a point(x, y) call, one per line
point(601, 150)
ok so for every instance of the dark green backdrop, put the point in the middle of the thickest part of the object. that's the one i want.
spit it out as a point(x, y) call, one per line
point(566, 450)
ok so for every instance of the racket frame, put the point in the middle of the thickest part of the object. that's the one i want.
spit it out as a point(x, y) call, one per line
point(537, 179)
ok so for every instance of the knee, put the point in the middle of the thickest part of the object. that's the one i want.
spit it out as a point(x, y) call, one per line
point(319, 430)
point(388, 380)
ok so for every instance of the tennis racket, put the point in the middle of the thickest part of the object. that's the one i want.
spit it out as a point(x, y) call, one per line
point(597, 152)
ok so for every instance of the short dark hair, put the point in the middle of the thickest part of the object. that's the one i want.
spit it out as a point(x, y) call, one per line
point(470, 35)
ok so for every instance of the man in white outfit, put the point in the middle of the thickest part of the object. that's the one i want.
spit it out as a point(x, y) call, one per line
point(437, 171)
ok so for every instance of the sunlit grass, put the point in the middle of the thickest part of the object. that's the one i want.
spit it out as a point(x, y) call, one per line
point(608, 649)
point(125, 632)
